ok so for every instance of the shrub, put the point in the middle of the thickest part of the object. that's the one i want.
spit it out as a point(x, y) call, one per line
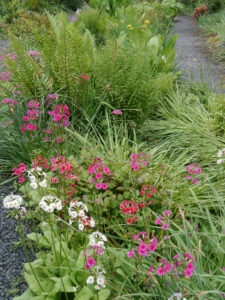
point(22, 26)
point(110, 6)
point(34, 4)
point(95, 22)
point(131, 86)
point(215, 5)
point(73, 4)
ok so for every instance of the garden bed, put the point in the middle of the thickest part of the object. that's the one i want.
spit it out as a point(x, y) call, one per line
point(117, 159)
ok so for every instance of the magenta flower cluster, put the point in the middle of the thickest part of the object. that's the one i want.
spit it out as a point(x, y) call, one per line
point(163, 219)
point(99, 171)
point(5, 76)
point(60, 115)
point(10, 101)
point(193, 170)
point(137, 162)
point(145, 246)
point(117, 112)
point(31, 115)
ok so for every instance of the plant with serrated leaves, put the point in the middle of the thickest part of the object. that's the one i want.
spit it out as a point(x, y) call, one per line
point(64, 55)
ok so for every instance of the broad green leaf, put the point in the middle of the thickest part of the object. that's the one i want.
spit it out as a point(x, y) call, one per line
point(62, 284)
point(80, 277)
point(80, 260)
point(84, 294)
point(103, 294)
point(38, 239)
point(155, 44)
point(27, 295)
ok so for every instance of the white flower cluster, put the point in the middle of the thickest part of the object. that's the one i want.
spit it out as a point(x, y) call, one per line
point(178, 297)
point(12, 201)
point(50, 203)
point(97, 238)
point(220, 155)
point(100, 278)
point(77, 211)
point(33, 179)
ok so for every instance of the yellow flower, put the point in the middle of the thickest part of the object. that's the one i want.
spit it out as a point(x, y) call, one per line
point(147, 21)
point(131, 28)
point(128, 26)
point(144, 26)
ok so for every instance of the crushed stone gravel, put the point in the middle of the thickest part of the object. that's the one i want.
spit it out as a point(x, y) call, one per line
point(193, 57)
point(11, 260)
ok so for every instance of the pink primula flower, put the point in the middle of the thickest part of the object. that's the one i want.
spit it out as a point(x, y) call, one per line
point(188, 273)
point(160, 271)
point(135, 167)
point(117, 112)
point(98, 186)
point(98, 175)
point(151, 269)
point(165, 226)
point(158, 221)
point(33, 53)
point(152, 247)
point(190, 267)
point(130, 253)
point(104, 186)
point(84, 76)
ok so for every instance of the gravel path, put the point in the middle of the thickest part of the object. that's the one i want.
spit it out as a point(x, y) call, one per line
point(192, 56)
point(3, 45)
point(11, 260)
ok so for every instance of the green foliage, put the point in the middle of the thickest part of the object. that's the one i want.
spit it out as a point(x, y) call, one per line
point(21, 26)
point(73, 4)
point(190, 119)
point(95, 21)
point(100, 63)
point(64, 57)
point(35, 4)
point(8, 10)
point(214, 26)
point(110, 6)
point(116, 80)
point(212, 5)
point(120, 78)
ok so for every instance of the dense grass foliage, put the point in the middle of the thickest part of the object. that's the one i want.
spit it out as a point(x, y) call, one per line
point(214, 26)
